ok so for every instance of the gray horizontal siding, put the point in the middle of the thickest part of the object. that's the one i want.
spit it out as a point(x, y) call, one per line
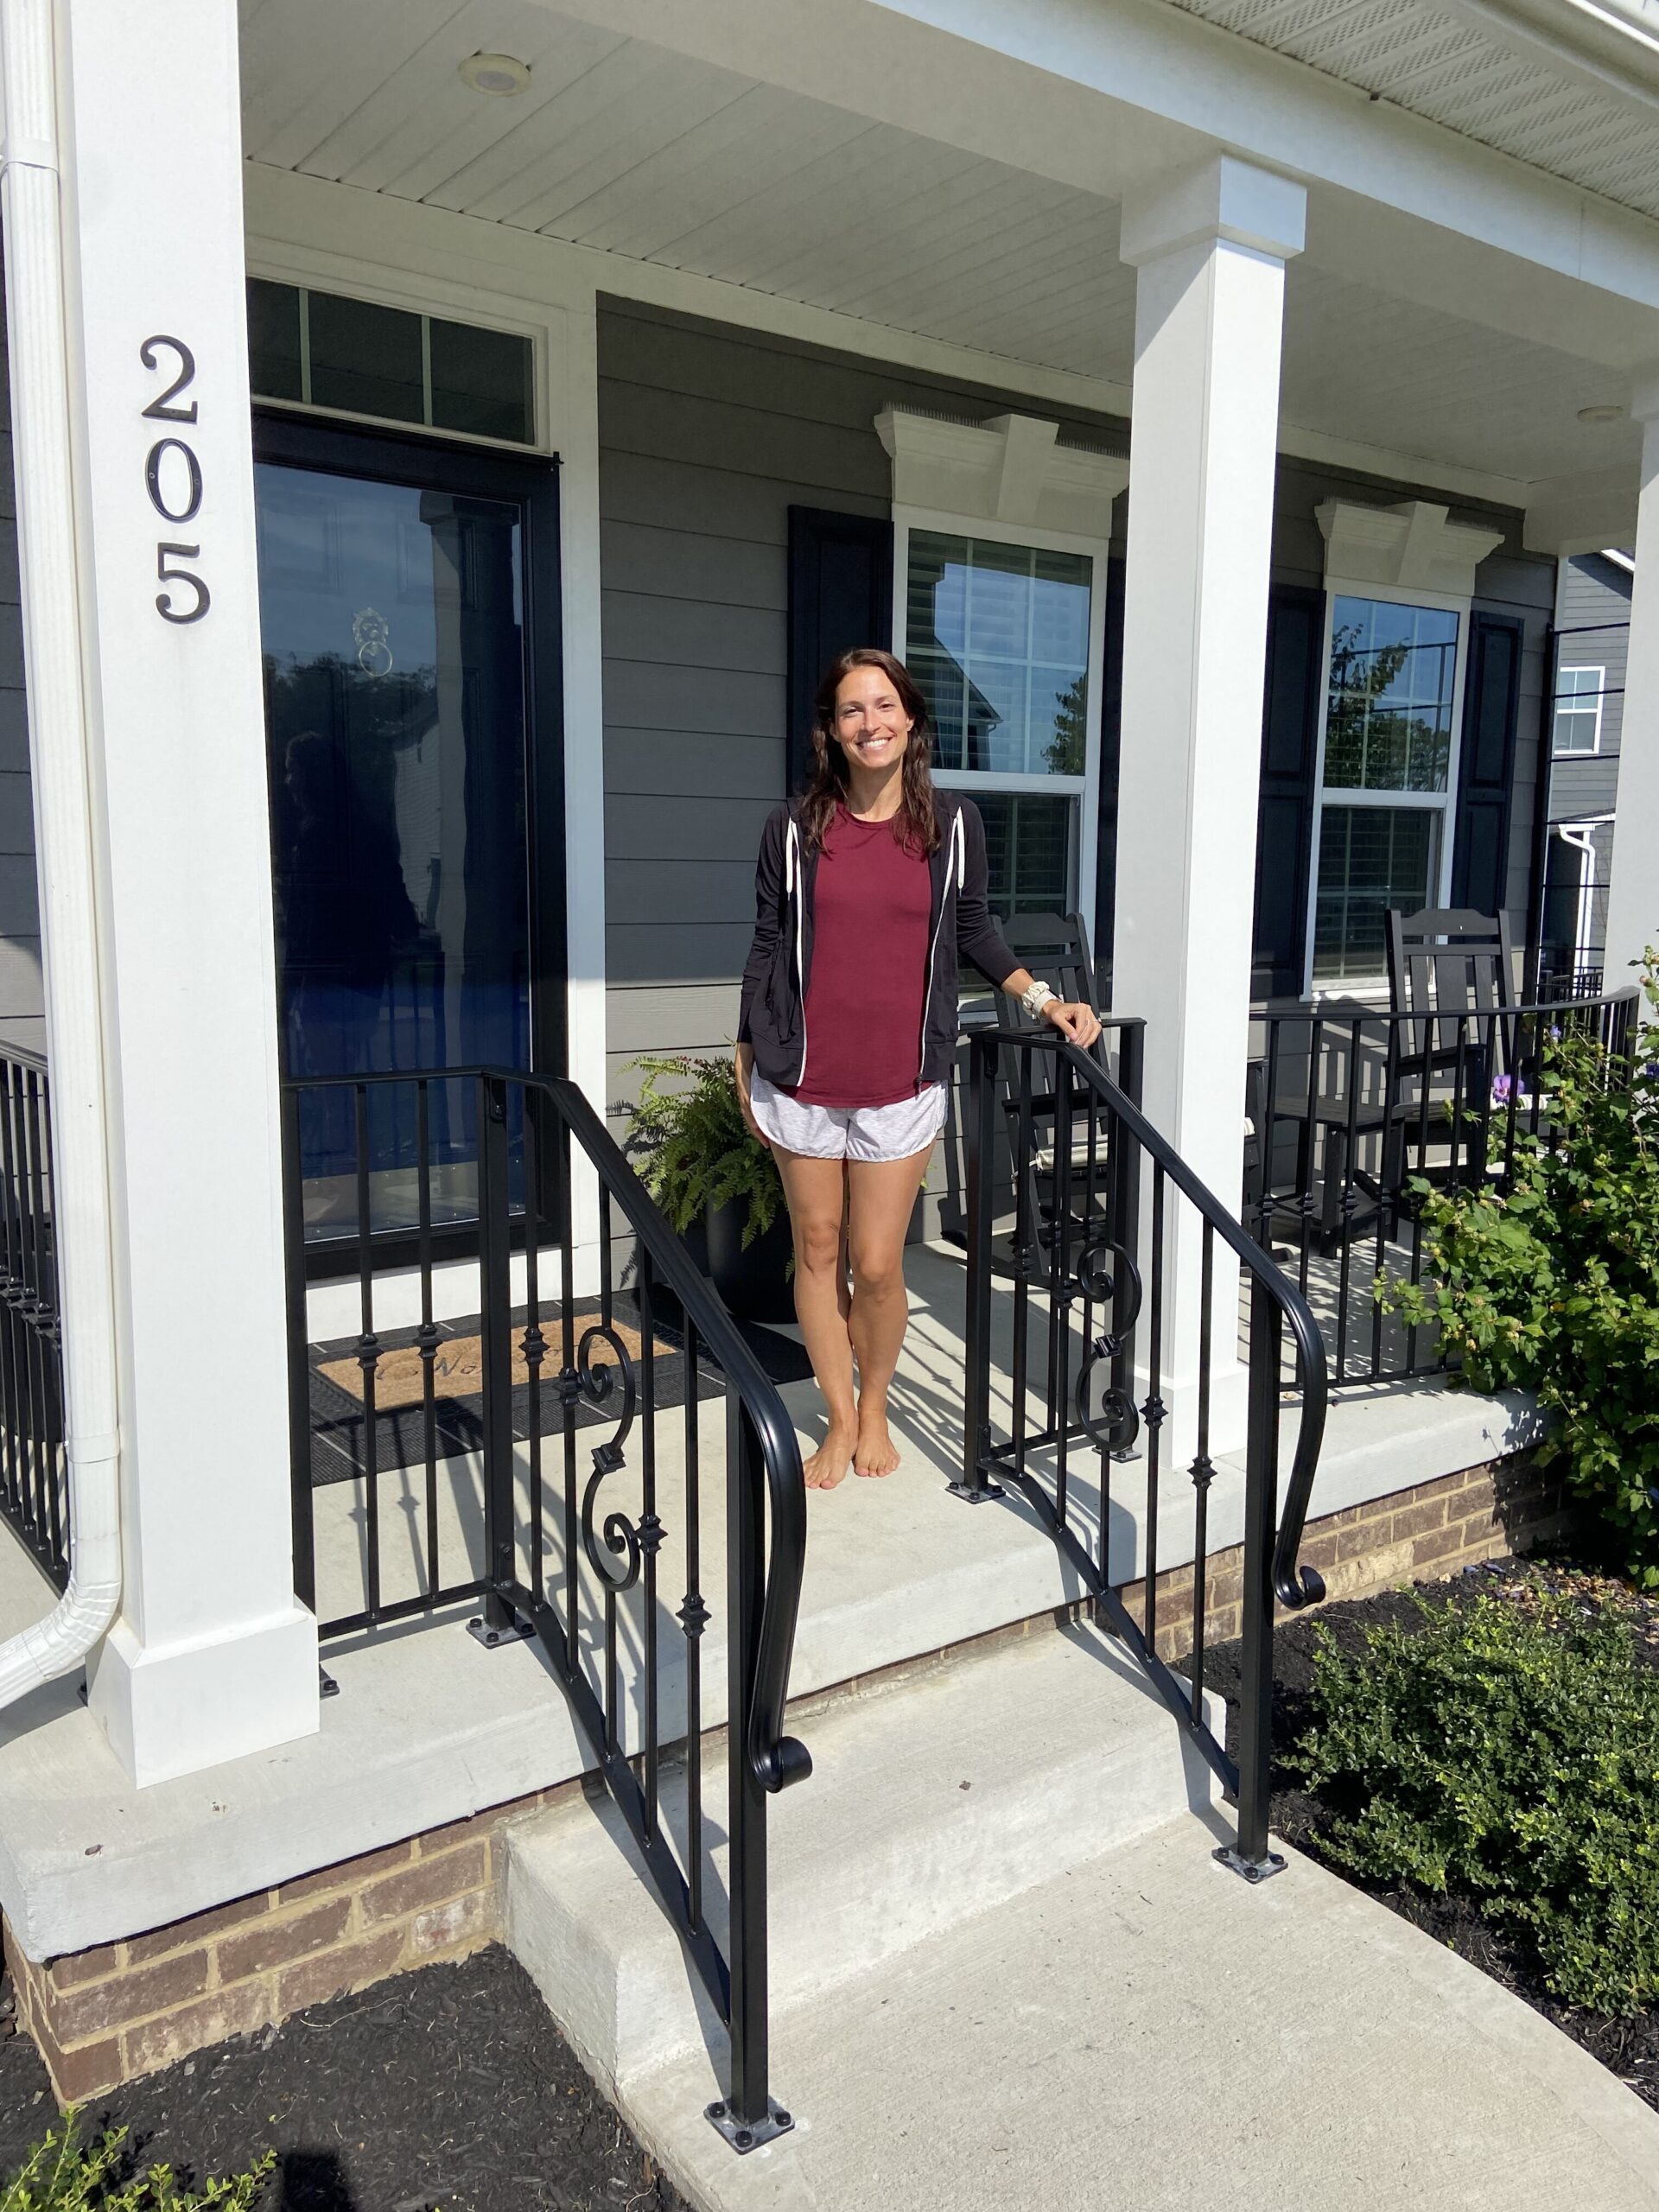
point(668, 762)
point(1583, 785)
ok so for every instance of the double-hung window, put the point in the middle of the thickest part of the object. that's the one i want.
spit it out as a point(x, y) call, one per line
point(1388, 760)
point(1004, 629)
point(1579, 694)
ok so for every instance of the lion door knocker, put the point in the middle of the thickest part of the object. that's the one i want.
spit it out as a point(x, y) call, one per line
point(371, 636)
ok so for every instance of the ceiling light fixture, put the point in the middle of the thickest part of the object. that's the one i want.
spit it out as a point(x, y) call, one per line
point(499, 74)
point(1604, 413)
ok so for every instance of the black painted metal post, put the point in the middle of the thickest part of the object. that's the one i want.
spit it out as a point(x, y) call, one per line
point(299, 1370)
point(1124, 1168)
point(748, 2116)
point(495, 1301)
point(971, 1483)
point(1251, 1857)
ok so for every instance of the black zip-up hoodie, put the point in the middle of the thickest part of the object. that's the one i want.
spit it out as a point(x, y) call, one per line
point(773, 1017)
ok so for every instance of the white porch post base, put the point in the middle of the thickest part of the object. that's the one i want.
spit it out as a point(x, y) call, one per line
point(1632, 900)
point(1210, 247)
point(1229, 1382)
point(172, 1709)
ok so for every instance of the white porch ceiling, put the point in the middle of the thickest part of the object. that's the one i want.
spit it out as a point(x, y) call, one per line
point(631, 150)
point(1491, 77)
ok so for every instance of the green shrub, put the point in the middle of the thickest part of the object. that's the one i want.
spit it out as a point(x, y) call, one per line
point(64, 2174)
point(1554, 1287)
point(694, 1147)
point(1512, 1757)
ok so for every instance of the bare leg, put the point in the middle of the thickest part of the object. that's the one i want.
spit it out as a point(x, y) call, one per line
point(882, 1196)
point(816, 1192)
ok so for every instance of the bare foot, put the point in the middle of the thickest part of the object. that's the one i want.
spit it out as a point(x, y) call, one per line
point(828, 1464)
point(874, 1453)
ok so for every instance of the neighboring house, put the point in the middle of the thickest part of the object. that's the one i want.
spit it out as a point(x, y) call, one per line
point(442, 473)
point(1593, 621)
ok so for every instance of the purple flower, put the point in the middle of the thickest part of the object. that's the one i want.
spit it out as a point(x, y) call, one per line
point(1507, 1087)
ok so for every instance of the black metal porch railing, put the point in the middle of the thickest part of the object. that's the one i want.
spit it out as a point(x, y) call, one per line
point(1347, 1110)
point(34, 1479)
point(1098, 1195)
point(452, 1469)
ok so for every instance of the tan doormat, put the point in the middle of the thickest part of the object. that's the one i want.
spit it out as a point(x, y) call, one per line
point(458, 1365)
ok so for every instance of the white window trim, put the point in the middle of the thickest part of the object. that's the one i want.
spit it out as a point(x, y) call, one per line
point(1440, 802)
point(1558, 706)
point(1085, 788)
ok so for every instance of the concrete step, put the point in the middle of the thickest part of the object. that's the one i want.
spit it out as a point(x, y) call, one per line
point(938, 1796)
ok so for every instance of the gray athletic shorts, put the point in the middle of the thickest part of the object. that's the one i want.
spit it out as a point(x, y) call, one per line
point(868, 1133)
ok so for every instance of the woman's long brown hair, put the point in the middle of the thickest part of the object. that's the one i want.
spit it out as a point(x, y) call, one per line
point(915, 824)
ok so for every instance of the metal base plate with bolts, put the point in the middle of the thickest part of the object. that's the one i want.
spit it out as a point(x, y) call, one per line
point(982, 1496)
point(749, 2135)
point(493, 1638)
point(1252, 1869)
point(326, 1686)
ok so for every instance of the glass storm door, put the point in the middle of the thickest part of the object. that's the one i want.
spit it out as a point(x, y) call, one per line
point(397, 674)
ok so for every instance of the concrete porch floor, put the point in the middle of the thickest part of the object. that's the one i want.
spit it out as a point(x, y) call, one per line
point(428, 1726)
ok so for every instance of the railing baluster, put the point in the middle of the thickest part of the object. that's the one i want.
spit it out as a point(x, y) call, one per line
point(426, 1337)
point(1252, 1856)
point(1203, 1472)
point(495, 1290)
point(368, 1346)
point(693, 1619)
point(1060, 1306)
point(534, 1345)
point(651, 1531)
point(1154, 1410)
point(302, 1492)
point(971, 1483)
point(569, 1394)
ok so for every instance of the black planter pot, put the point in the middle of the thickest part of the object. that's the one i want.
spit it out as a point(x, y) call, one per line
point(754, 1282)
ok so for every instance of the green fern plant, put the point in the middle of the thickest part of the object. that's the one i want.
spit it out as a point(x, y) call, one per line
point(65, 2173)
point(693, 1146)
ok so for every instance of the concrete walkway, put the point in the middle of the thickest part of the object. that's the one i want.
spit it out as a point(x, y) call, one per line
point(1006, 1973)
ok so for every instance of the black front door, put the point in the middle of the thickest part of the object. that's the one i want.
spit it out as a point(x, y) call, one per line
point(408, 612)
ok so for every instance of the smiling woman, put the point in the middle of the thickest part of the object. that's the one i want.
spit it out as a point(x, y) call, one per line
point(869, 889)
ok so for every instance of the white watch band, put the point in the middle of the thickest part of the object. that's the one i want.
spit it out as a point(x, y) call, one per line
point(1035, 997)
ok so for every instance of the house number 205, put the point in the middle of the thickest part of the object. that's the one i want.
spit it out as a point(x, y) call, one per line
point(173, 479)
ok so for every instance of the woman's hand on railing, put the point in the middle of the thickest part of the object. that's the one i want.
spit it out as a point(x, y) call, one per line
point(1074, 1020)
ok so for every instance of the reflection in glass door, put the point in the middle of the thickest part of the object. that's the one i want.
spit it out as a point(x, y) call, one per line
point(394, 634)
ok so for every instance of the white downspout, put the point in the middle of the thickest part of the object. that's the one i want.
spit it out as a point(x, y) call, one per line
point(1582, 841)
point(57, 697)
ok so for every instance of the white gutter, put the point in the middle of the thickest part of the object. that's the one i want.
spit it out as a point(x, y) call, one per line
point(54, 669)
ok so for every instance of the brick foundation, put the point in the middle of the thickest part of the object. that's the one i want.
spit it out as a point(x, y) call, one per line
point(1500, 1510)
point(106, 2016)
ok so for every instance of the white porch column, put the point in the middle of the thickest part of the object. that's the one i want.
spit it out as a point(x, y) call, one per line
point(210, 1657)
point(1210, 247)
point(1632, 900)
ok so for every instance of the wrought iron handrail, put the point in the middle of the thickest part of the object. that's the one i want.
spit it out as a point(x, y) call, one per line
point(1294, 1586)
point(775, 1760)
point(529, 1585)
point(1090, 1257)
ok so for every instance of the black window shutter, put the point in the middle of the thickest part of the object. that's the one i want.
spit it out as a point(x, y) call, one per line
point(1491, 706)
point(1284, 832)
point(840, 595)
point(1111, 721)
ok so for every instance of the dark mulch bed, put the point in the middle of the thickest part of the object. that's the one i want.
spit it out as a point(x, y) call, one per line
point(1629, 2047)
point(448, 2087)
